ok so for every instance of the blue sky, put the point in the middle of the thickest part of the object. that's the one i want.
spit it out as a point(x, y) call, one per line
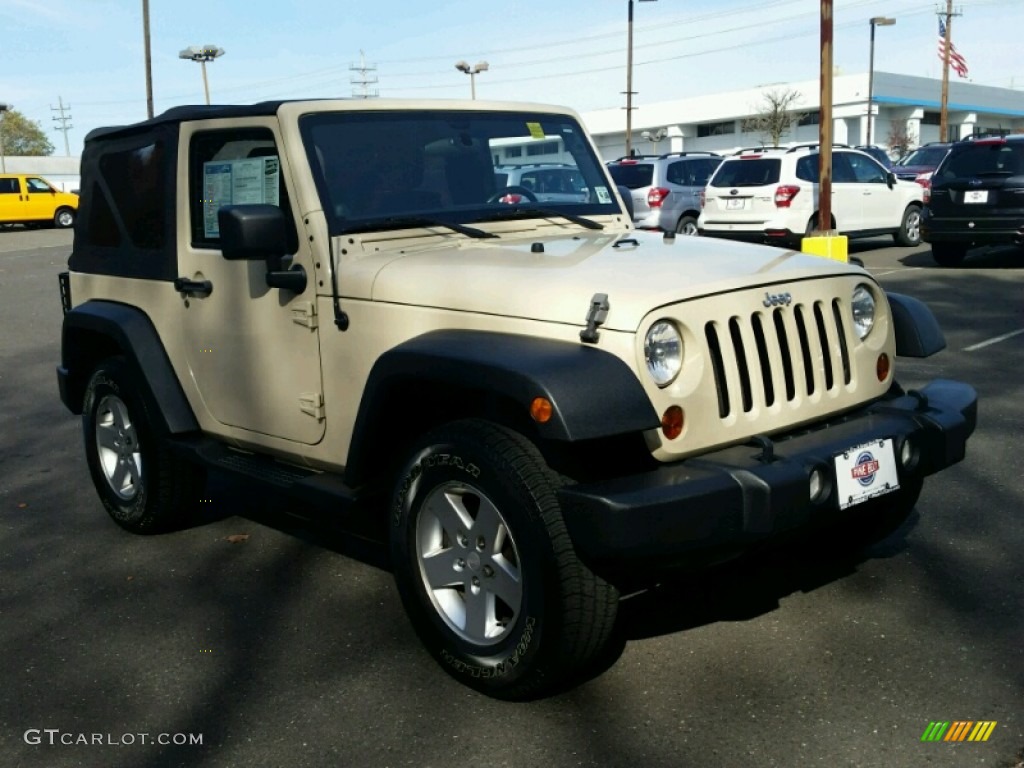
point(89, 53)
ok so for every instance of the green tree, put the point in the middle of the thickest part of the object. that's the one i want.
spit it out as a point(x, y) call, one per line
point(774, 117)
point(21, 136)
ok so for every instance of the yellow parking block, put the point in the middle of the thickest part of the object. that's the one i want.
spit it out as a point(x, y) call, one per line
point(826, 244)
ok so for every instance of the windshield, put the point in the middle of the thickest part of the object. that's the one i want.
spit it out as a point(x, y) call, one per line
point(925, 156)
point(385, 169)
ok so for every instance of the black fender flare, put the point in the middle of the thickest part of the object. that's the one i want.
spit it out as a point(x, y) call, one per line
point(593, 393)
point(917, 331)
point(99, 328)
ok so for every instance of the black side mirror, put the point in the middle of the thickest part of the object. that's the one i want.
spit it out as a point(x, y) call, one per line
point(890, 179)
point(260, 233)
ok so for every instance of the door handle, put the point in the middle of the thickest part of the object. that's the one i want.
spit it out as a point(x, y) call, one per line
point(193, 287)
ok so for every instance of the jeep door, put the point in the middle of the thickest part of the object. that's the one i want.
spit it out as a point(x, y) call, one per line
point(253, 351)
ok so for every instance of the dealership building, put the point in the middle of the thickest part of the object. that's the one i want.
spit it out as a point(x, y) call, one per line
point(715, 122)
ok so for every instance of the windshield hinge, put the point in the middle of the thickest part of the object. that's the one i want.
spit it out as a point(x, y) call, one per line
point(304, 313)
point(596, 316)
point(312, 404)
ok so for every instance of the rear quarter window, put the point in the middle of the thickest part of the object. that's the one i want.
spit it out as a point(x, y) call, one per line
point(632, 176)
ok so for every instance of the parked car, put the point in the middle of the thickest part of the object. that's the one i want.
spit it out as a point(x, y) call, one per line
point(976, 198)
point(922, 161)
point(878, 153)
point(34, 202)
point(772, 194)
point(543, 182)
point(665, 188)
point(541, 405)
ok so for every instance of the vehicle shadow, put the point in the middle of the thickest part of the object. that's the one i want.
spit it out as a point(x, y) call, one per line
point(986, 257)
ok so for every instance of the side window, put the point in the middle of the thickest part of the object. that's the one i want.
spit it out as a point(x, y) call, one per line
point(37, 185)
point(9, 186)
point(676, 174)
point(807, 168)
point(135, 178)
point(842, 172)
point(865, 170)
point(232, 167)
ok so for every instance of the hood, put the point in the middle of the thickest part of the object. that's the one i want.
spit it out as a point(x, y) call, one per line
point(553, 279)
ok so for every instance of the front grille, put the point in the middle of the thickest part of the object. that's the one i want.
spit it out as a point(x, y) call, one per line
point(786, 353)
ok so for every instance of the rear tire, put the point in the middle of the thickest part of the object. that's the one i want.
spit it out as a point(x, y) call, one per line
point(144, 488)
point(948, 254)
point(909, 233)
point(485, 567)
point(687, 225)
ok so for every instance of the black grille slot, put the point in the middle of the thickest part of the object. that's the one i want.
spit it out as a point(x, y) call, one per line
point(805, 348)
point(826, 356)
point(844, 351)
point(741, 364)
point(787, 359)
point(717, 363)
point(766, 363)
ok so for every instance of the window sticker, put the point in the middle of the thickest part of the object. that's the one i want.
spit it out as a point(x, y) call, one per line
point(238, 182)
point(603, 196)
point(535, 130)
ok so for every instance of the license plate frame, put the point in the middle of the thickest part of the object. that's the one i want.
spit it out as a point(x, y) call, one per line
point(865, 471)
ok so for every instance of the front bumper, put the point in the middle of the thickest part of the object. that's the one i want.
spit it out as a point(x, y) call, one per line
point(723, 503)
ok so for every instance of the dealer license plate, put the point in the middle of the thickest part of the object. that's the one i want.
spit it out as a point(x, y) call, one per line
point(976, 196)
point(866, 471)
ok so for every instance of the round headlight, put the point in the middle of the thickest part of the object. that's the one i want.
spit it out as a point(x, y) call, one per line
point(863, 305)
point(663, 351)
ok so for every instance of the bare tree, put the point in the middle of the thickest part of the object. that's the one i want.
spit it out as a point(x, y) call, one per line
point(899, 139)
point(775, 116)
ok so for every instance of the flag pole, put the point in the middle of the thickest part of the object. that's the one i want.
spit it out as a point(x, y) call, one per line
point(944, 112)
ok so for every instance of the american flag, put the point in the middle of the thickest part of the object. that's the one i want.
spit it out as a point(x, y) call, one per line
point(956, 61)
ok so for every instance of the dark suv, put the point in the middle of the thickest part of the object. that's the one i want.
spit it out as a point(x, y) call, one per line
point(976, 198)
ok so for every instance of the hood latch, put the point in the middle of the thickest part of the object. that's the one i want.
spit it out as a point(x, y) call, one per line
point(596, 316)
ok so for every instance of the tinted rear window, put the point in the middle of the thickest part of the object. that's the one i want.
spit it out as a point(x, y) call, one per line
point(997, 159)
point(632, 175)
point(755, 172)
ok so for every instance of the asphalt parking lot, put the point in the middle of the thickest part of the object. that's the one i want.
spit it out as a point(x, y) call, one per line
point(273, 641)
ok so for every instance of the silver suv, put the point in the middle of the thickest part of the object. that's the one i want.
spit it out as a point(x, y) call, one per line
point(666, 188)
point(545, 182)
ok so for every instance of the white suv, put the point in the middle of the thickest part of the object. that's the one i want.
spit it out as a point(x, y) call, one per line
point(772, 194)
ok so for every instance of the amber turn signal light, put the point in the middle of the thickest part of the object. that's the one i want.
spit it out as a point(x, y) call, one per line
point(541, 410)
point(882, 367)
point(672, 422)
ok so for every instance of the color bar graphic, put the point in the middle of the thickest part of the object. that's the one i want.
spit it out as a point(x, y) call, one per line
point(958, 730)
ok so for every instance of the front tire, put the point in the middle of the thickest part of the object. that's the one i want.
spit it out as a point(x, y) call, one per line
point(64, 218)
point(909, 233)
point(144, 488)
point(485, 567)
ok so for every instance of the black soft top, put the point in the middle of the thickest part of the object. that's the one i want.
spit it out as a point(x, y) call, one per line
point(181, 114)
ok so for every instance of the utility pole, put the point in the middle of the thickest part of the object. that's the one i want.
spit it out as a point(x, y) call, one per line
point(63, 120)
point(825, 122)
point(367, 76)
point(149, 59)
point(944, 111)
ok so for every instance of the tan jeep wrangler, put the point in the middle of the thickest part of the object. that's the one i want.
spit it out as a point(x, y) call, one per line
point(338, 298)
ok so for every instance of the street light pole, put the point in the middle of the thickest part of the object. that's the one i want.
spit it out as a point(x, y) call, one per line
point(480, 66)
point(629, 77)
point(880, 21)
point(202, 54)
point(3, 108)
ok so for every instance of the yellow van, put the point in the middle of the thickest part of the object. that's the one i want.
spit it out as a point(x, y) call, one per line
point(33, 201)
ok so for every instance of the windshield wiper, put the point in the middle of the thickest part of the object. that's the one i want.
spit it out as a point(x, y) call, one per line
point(401, 222)
point(523, 212)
